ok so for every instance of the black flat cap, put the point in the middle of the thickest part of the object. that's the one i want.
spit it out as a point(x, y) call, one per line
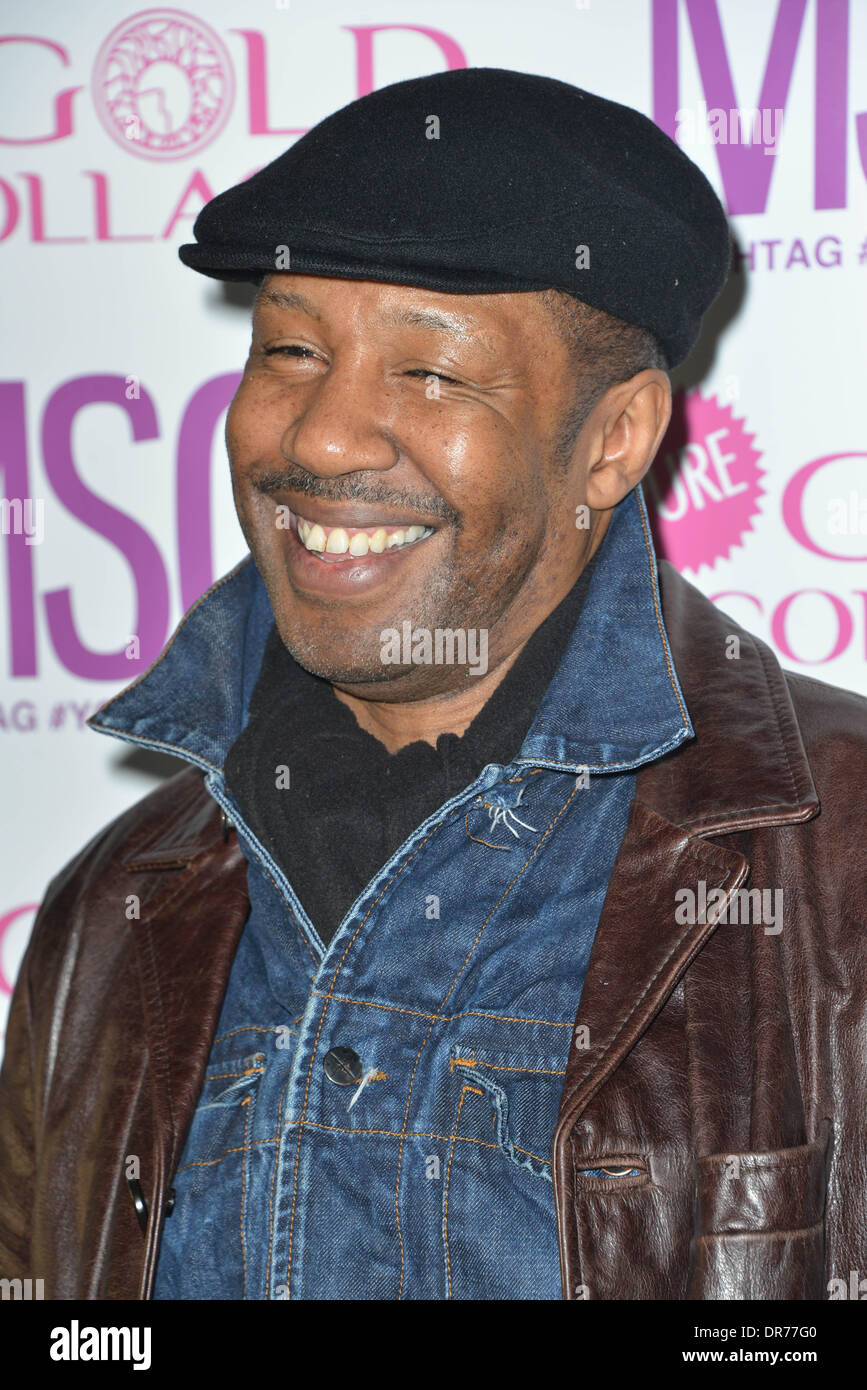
point(516, 174)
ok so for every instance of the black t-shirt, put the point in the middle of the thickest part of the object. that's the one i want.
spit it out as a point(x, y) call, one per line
point(350, 803)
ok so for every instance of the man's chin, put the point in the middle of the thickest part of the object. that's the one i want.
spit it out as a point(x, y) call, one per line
point(353, 663)
point(367, 675)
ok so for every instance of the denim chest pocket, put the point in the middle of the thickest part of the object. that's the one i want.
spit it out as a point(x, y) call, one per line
point(498, 1219)
point(203, 1248)
point(523, 1092)
point(519, 1096)
point(225, 1111)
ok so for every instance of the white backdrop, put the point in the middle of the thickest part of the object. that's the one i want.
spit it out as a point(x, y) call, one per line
point(117, 124)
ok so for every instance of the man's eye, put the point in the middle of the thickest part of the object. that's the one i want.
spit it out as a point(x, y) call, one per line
point(420, 371)
point(289, 350)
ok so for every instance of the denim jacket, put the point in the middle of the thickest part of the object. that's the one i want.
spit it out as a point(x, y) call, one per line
point(453, 981)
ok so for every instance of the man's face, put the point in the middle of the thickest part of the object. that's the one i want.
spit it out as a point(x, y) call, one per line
point(367, 409)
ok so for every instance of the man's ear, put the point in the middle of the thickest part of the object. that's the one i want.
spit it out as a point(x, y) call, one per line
point(626, 429)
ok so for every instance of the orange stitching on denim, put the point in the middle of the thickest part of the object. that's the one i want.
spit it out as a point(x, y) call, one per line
point(475, 837)
point(504, 1018)
point(395, 876)
point(542, 1071)
point(340, 1129)
point(209, 1162)
point(442, 1018)
point(298, 1143)
point(245, 1101)
point(519, 1150)
point(475, 1092)
point(479, 935)
point(410, 1134)
point(400, 1154)
point(328, 998)
point(221, 1075)
point(392, 1008)
point(271, 1189)
point(461, 1062)
point(248, 1028)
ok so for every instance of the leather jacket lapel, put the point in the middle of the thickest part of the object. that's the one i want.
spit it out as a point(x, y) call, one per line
point(745, 768)
point(639, 955)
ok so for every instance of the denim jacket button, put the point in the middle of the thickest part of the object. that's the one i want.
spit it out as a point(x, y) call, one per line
point(343, 1066)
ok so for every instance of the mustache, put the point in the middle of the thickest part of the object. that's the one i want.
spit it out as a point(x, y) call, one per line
point(351, 488)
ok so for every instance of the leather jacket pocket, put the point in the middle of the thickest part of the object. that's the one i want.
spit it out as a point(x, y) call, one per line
point(760, 1224)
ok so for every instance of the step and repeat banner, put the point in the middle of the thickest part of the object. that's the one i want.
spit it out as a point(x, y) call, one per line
point(117, 364)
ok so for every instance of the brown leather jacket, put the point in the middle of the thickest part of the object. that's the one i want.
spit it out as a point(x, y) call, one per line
point(724, 1060)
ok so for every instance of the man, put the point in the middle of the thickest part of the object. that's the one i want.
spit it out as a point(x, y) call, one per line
point(501, 939)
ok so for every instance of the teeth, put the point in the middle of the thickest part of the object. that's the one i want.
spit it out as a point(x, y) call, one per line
point(338, 542)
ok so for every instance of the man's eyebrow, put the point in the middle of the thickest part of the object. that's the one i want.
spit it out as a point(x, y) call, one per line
point(452, 326)
point(287, 299)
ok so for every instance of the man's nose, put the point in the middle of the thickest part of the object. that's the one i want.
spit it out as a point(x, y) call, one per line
point(345, 424)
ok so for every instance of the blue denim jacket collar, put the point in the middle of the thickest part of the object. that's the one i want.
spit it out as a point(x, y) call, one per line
point(614, 704)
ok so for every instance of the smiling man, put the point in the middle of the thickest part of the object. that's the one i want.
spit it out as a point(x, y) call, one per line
point(447, 969)
point(397, 493)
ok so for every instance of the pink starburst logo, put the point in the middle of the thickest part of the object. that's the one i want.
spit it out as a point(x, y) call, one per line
point(704, 486)
point(163, 84)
